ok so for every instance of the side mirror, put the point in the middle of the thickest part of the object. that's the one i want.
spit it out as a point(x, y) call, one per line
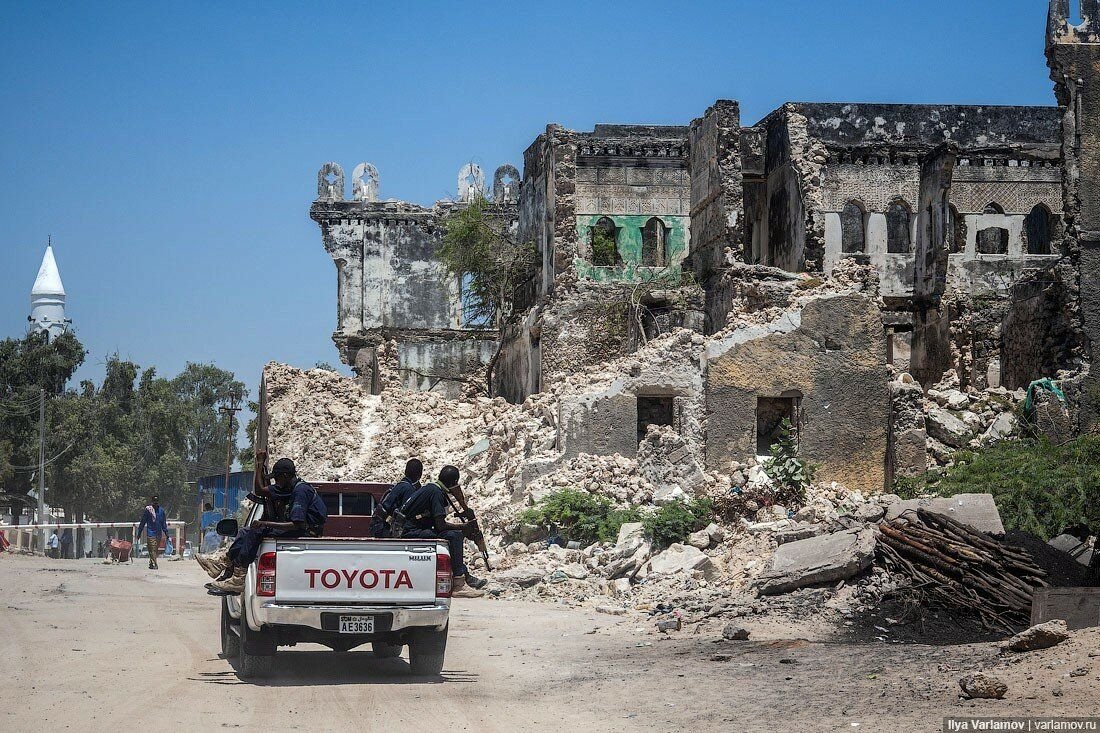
point(227, 527)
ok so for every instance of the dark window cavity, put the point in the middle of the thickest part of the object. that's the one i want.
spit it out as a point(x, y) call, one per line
point(770, 414)
point(956, 230)
point(898, 239)
point(993, 241)
point(605, 245)
point(654, 243)
point(655, 410)
point(993, 208)
point(1039, 230)
point(852, 235)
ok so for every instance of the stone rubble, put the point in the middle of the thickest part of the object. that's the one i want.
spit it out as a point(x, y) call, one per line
point(511, 456)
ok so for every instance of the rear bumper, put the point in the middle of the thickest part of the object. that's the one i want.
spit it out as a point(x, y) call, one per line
point(274, 614)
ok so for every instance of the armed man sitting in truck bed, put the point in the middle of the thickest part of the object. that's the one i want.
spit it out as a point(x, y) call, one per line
point(423, 515)
point(395, 497)
point(295, 510)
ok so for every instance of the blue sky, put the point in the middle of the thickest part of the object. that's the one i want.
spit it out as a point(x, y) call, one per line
point(171, 149)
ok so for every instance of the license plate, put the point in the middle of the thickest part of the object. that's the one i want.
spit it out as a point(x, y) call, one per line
point(357, 624)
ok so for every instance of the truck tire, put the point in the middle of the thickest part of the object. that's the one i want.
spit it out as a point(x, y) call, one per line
point(385, 650)
point(257, 658)
point(426, 651)
point(231, 642)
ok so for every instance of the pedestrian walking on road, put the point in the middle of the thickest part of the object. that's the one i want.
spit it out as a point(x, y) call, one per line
point(54, 545)
point(155, 524)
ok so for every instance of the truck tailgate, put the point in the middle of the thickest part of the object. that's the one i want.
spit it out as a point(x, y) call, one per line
point(355, 571)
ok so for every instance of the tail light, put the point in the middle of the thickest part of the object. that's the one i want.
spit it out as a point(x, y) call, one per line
point(443, 578)
point(265, 574)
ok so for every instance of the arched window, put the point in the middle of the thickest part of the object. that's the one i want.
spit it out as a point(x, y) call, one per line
point(898, 239)
point(993, 208)
point(956, 230)
point(654, 238)
point(993, 241)
point(1039, 230)
point(605, 245)
point(852, 237)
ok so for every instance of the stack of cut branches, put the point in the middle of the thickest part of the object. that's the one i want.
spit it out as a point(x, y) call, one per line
point(953, 565)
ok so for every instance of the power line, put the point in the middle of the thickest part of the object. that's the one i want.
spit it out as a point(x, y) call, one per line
point(35, 466)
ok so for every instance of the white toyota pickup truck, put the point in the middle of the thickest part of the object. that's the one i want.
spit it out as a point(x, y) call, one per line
point(341, 590)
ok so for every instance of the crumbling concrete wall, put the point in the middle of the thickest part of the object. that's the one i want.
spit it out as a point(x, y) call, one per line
point(600, 424)
point(716, 189)
point(392, 287)
point(1073, 54)
point(599, 409)
point(1037, 334)
point(831, 355)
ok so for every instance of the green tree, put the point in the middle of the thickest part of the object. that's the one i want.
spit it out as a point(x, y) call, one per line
point(492, 266)
point(139, 435)
point(28, 365)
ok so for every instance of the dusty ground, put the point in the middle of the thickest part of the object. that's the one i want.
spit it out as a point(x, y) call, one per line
point(96, 647)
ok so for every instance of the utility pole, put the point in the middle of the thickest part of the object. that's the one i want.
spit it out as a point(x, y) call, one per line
point(42, 464)
point(230, 410)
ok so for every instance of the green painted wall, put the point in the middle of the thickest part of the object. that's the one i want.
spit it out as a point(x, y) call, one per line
point(629, 235)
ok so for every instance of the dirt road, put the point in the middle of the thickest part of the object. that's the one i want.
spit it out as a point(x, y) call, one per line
point(97, 647)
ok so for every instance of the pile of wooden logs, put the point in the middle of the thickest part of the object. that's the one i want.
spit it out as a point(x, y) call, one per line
point(953, 565)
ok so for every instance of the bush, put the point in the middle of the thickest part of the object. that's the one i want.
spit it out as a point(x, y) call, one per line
point(580, 516)
point(1039, 487)
point(790, 473)
point(675, 521)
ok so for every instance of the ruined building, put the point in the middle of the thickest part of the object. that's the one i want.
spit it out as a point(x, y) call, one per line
point(820, 256)
point(391, 289)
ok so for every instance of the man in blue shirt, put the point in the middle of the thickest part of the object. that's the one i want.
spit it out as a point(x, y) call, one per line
point(425, 517)
point(298, 511)
point(395, 497)
point(154, 524)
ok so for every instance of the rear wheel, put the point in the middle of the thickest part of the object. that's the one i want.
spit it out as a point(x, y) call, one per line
point(385, 650)
point(426, 651)
point(257, 650)
point(231, 642)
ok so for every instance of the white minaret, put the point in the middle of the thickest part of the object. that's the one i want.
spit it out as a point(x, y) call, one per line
point(48, 298)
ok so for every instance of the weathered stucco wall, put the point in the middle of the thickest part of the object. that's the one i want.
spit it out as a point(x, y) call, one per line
point(717, 202)
point(832, 354)
point(392, 287)
point(629, 243)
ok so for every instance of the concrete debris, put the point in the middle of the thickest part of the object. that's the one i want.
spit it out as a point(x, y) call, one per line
point(700, 539)
point(981, 685)
point(947, 428)
point(671, 624)
point(1040, 636)
point(680, 559)
point(733, 632)
point(974, 510)
point(824, 559)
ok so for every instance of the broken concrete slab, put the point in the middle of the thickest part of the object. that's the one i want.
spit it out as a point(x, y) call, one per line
point(975, 510)
point(524, 578)
point(631, 535)
point(1039, 636)
point(947, 428)
point(700, 539)
point(799, 533)
point(824, 559)
point(680, 559)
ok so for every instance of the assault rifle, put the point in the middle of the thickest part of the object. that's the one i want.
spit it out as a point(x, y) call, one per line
point(462, 510)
